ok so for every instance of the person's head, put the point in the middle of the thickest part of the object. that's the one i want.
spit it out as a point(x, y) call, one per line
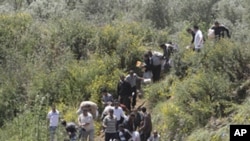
point(104, 91)
point(189, 30)
point(131, 72)
point(144, 109)
point(122, 77)
point(85, 111)
point(116, 104)
point(196, 28)
point(162, 45)
point(150, 54)
point(111, 112)
point(53, 107)
point(217, 24)
point(132, 116)
point(146, 56)
point(155, 133)
point(121, 127)
point(63, 122)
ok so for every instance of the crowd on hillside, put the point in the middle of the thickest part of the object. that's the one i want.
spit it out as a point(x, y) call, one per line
point(122, 118)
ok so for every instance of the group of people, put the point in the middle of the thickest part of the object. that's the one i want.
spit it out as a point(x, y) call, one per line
point(217, 31)
point(156, 62)
point(121, 121)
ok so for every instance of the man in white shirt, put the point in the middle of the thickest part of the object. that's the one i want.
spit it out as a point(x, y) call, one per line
point(86, 124)
point(118, 112)
point(131, 79)
point(53, 119)
point(198, 40)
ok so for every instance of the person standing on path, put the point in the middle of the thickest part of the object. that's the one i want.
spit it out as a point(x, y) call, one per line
point(109, 123)
point(86, 124)
point(146, 127)
point(124, 92)
point(131, 79)
point(53, 120)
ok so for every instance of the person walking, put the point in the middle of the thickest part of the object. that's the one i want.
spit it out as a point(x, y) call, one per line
point(146, 127)
point(109, 123)
point(124, 92)
point(119, 113)
point(53, 120)
point(219, 30)
point(198, 40)
point(131, 79)
point(86, 124)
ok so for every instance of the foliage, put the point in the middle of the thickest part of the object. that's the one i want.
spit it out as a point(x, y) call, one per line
point(64, 51)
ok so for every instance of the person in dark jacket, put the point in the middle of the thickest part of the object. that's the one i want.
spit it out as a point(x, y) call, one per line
point(71, 129)
point(219, 30)
point(130, 123)
point(124, 92)
point(146, 126)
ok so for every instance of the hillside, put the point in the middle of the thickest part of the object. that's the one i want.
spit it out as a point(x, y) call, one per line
point(64, 51)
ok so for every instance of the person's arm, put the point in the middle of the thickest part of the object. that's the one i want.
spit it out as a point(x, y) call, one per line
point(193, 36)
point(79, 120)
point(138, 77)
point(144, 122)
point(122, 113)
point(226, 29)
point(48, 119)
point(104, 122)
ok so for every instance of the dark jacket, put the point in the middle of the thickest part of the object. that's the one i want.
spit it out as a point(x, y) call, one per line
point(219, 31)
point(148, 65)
point(124, 89)
point(72, 128)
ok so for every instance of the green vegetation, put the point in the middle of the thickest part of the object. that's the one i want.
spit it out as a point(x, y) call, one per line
point(64, 51)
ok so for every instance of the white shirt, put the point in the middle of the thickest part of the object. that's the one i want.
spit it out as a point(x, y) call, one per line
point(86, 119)
point(53, 118)
point(106, 110)
point(118, 113)
point(198, 40)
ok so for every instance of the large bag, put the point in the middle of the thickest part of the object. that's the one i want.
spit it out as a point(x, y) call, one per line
point(210, 34)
